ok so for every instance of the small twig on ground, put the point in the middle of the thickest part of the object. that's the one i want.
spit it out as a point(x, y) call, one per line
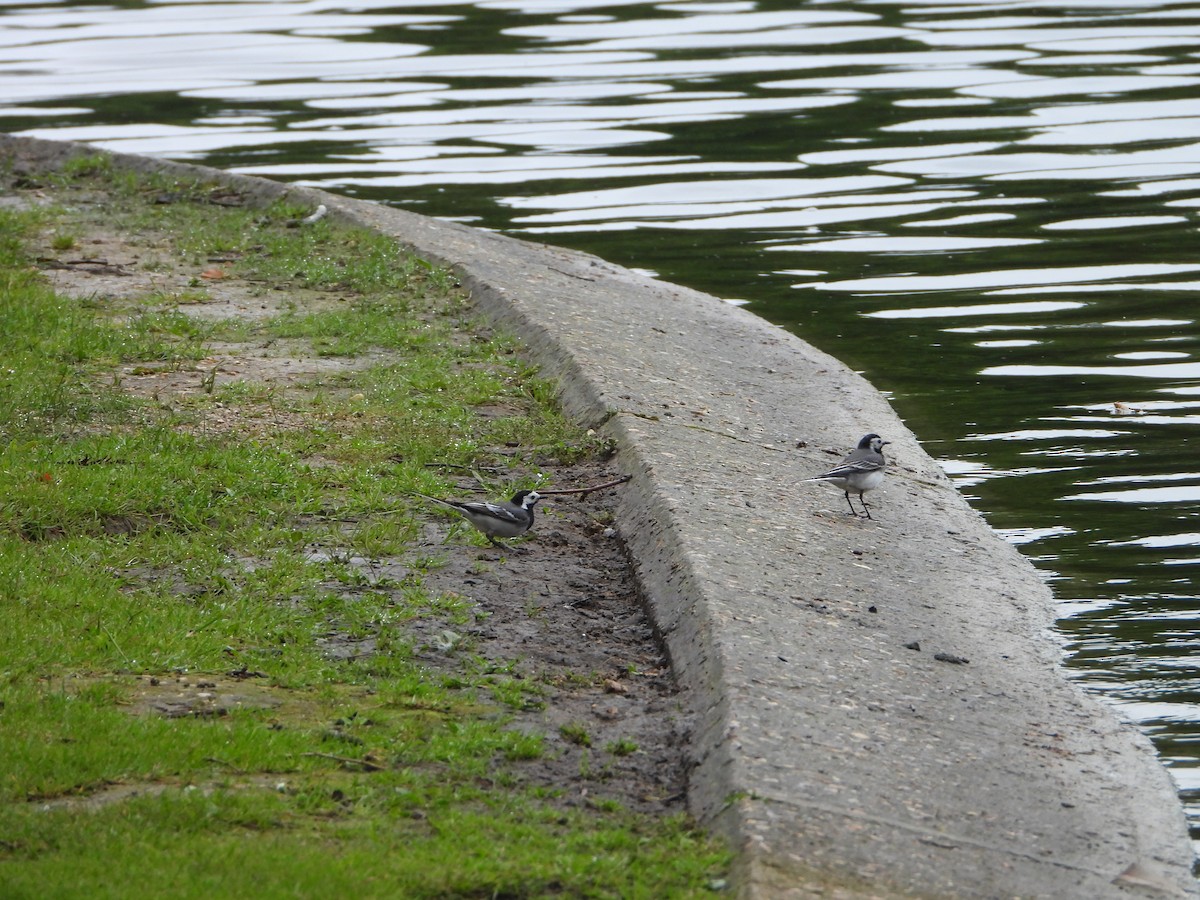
point(98, 266)
point(349, 761)
point(591, 488)
point(572, 274)
point(583, 492)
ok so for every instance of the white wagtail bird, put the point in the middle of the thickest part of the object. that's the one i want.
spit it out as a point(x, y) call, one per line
point(509, 519)
point(861, 470)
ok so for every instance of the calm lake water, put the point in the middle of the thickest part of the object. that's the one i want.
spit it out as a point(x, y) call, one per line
point(989, 208)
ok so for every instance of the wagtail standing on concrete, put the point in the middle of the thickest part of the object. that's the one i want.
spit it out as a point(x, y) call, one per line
point(861, 470)
point(509, 519)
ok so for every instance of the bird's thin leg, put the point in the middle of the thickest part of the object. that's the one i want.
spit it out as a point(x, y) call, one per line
point(863, 501)
point(852, 509)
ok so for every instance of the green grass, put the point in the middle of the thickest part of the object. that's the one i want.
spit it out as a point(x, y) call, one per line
point(141, 546)
point(264, 843)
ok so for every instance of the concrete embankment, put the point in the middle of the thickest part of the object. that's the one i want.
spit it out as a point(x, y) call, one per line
point(880, 710)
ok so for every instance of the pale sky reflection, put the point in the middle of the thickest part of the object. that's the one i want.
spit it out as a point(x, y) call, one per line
point(1161, 541)
point(1180, 494)
point(883, 244)
point(1007, 277)
point(1189, 370)
point(1111, 222)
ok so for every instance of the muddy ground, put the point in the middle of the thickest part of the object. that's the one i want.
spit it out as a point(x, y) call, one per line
point(564, 605)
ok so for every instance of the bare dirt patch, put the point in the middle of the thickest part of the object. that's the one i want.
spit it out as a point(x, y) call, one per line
point(568, 610)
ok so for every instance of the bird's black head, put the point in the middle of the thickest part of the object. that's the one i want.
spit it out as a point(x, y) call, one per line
point(872, 441)
point(526, 499)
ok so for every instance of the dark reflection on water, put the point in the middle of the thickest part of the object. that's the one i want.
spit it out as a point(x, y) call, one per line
point(989, 208)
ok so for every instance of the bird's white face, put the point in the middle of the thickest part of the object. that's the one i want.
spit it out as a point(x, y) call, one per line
point(877, 444)
point(531, 498)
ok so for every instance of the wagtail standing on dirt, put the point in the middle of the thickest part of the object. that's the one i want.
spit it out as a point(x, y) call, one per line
point(509, 519)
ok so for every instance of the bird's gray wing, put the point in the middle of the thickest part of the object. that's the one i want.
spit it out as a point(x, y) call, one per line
point(853, 467)
point(493, 511)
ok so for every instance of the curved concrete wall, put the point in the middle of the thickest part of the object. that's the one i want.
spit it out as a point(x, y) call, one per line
point(880, 708)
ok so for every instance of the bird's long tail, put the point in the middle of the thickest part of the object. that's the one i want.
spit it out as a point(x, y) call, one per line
point(437, 500)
